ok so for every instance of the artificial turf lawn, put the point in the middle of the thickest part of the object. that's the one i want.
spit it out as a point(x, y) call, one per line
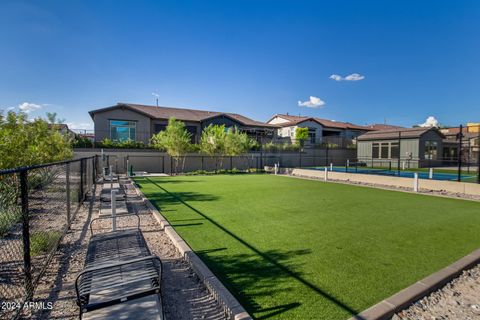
point(300, 249)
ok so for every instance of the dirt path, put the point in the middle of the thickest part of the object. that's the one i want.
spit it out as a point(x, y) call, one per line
point(184, 296)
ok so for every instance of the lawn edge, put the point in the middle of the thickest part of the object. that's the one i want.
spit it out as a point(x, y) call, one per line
point(226, 299)
point(404, 298)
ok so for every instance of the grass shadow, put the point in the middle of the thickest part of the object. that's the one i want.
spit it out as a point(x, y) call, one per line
point(251, 271)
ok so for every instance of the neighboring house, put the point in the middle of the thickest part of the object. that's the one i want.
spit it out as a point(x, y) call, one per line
point(418, 147)
point(378, 126)
point(319, 130)
point(136, 122)
point(470, 142)
point(62, 128)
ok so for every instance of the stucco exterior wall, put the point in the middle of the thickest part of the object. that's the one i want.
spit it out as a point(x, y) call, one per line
point(102, 119)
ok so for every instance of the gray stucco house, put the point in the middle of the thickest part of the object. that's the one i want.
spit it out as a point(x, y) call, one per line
point(417, 147)
point(137, 122)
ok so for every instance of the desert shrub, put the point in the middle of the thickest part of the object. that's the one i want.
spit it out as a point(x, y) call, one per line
point(42, 242)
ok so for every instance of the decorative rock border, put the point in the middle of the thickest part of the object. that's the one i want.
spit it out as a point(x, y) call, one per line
point(401, 300)
point(231, 305)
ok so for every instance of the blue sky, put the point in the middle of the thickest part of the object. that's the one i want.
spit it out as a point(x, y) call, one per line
point(257, 58)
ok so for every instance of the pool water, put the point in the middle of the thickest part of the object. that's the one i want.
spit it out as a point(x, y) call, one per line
point(404, 174)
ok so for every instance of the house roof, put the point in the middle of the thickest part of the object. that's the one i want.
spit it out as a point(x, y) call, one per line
point(453, 132)
point(405, 133)
point(293, 120)
point(380, 126)
point(192, 115)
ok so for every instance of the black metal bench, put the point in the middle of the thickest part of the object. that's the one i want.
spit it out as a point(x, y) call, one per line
point(118, 268)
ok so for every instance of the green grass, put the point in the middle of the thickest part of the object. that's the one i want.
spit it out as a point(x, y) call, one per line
point(299, 249)
point(43, 242)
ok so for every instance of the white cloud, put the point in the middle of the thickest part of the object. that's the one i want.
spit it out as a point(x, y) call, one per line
point(354, 77)
point(28, 107)
point(350, 77)
point(314, 102)
point(430, 122)
point(336, 77)
point(155, 94)
point(10, 108)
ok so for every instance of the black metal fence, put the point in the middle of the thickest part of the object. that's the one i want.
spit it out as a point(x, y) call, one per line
point(456, 156)
point(37, 205)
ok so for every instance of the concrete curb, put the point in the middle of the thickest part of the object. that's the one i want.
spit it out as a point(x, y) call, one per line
point(401, 300)
point(232, 307)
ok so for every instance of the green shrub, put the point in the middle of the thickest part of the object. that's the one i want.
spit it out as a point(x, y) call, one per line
point(42, 177)
point(42, 242)
point(8, 218)
point(82, 142)
point(127, 144)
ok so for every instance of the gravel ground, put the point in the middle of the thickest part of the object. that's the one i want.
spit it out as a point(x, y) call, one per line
point(184, 295)
point(459, 299)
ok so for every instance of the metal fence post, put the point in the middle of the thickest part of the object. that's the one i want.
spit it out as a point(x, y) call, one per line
point(326, 155)
point(460, 135)
point(67, 183)
point(478, 156)
point(94, 169)
point(80, 194)
point(26, 234)
point(399, 151)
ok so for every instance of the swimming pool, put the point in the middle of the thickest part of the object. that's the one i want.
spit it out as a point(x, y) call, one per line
point(404, 174)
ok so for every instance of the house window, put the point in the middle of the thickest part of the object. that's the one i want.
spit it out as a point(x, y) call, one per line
point(394, 150)
point(375, 150)
point(159, 127)
point(312, 135)
point(431, 150)
point(193, 133)
point(123, 130)
point(384, 151)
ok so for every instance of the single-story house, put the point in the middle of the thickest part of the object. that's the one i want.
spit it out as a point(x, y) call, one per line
point(418, 147)
point(137, 122)
point(319, 130)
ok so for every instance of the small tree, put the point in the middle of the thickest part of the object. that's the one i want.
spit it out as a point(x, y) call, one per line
point(213, 142)
point(24, 142)
point(175, 139)
point(237, 143)
point(52, 118)
point(301, 135)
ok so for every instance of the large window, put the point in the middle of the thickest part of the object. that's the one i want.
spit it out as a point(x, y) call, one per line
point(123, 130)
point(385, 150)
point(431, 150)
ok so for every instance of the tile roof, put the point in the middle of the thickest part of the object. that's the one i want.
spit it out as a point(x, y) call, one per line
point(453, 132)
point(393, 133)
point(293, 120)
point(184, 114)
point(380, 126)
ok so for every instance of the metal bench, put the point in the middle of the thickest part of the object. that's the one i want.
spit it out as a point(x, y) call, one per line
point(118, 268)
